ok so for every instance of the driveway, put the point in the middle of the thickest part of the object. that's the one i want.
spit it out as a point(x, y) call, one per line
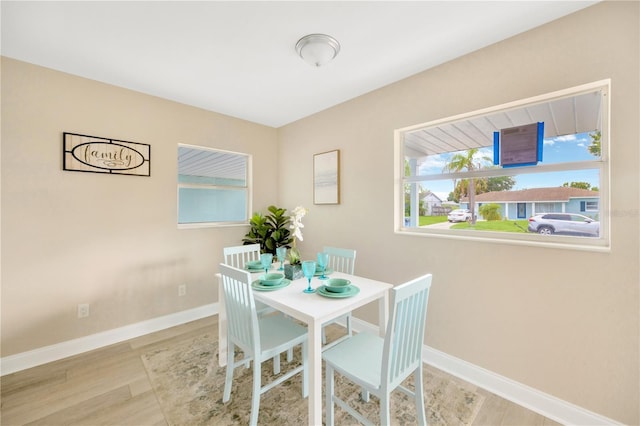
point(441, 225)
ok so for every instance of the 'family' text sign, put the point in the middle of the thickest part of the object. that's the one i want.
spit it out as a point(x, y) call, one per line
point(82, 153)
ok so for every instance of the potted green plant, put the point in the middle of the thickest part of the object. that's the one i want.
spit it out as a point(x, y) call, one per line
point(270, 231)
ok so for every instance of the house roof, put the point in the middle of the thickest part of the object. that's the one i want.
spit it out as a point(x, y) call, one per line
point(431, 195)
point(559, 193)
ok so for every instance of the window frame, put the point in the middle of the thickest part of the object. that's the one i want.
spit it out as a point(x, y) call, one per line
point(247, 188)
point(602, 243)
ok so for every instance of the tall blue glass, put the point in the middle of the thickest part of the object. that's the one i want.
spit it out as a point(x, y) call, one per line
point(323, 260)
point(281, 252)
point(309, 270)
point(265, 260)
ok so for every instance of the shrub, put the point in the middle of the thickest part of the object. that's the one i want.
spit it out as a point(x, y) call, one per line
point(490, 211)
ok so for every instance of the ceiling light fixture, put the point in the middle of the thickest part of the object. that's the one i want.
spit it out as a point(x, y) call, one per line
point(317, 49)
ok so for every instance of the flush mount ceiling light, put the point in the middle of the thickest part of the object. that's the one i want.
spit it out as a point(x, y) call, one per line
point(317, 49)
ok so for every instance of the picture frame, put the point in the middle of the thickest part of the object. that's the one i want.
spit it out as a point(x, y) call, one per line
point(326, 177)
point(94, 154)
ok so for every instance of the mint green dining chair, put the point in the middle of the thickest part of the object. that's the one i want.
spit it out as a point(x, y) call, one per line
point(259, 338)
point(238, 256)
point(341, 260)
point(380, 365)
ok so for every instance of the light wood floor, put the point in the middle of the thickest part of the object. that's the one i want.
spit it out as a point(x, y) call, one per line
point(109, 386)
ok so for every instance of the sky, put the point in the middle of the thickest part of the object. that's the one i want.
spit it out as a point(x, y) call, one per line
point(555, 150)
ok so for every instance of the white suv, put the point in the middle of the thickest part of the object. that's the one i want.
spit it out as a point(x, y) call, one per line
point(564, 223)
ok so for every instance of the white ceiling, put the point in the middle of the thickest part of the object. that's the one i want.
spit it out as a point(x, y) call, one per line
point(238, 57)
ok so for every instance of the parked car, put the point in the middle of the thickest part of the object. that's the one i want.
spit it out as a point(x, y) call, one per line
point(459, 215)
point(564, 223)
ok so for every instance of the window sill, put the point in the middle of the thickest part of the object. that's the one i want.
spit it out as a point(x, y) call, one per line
point(600, 245)
point(211, 225)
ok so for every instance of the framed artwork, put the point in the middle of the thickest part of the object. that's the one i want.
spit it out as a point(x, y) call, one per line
point(83, 153)
point(326, 178)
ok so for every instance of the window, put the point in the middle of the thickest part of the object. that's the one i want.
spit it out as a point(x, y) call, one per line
point(589, 206)
point(213, 187)
point(455, 163)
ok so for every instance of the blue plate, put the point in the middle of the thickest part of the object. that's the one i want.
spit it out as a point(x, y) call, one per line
point(352, 291)
point(256, 285)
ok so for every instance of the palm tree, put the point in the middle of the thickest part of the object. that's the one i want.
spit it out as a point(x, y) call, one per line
point(462, 161)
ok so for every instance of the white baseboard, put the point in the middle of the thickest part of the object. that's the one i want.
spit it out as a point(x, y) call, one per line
point(549, 406)
point(540, 402)
point(24, 360)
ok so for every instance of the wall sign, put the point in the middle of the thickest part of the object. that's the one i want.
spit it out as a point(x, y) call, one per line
point(519, 146)
point(82, 153)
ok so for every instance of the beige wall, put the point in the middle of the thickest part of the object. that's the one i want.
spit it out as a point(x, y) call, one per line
point(564, 322)
point(110, 241)
point(561, 321)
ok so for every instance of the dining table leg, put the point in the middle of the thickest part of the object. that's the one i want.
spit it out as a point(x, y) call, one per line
point(315, 373)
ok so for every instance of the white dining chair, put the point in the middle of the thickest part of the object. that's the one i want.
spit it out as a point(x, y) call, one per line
point(341, 260)
point(238, 256)
point(380, 365)
point(259, 338)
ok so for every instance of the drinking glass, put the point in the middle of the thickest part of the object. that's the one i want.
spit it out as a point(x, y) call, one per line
point(309, 270)
point(265, 260)
point(281, 252)
point(323, 260)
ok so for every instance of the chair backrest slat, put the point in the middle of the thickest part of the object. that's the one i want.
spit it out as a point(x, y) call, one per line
point(242, 320)
point(237, 256)
point(405, 331)
point(341, 259)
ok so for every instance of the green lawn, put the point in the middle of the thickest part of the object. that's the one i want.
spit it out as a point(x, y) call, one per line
point(497, 225)
point(430, 220)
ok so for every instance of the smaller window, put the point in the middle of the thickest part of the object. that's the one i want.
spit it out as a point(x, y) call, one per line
point(213, 186)
point(591, 206)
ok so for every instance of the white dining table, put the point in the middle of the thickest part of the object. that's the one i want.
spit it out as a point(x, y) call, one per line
point(314, 310)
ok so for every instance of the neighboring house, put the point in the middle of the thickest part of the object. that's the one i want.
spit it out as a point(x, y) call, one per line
point(528, 202)
point(430, 202)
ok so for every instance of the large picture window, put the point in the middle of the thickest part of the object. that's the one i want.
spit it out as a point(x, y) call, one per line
point(451, 181)
point(213, 186)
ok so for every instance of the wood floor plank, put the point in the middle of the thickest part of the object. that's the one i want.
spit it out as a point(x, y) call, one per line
point(15, 383)
point(140, 386)
point(80, 411)
point(492, 411)
point(516, 415)
point(73, 391)
point(140, 410)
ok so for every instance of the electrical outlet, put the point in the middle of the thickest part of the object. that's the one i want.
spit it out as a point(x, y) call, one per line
point(83, 310)
point(182, 289)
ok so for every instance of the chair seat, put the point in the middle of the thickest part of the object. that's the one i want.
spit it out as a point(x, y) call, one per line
point(358, 357)
point(277, 333)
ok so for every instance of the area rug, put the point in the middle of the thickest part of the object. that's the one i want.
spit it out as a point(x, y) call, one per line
point(189, 384)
